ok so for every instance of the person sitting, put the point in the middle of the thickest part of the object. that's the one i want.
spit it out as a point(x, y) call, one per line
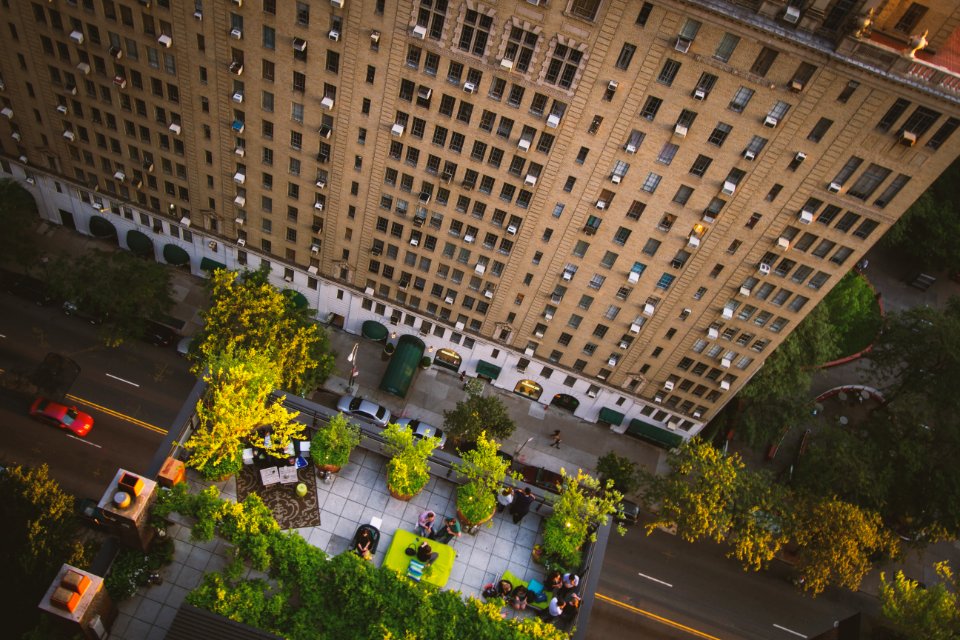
point(571, 608)
point(501, 590)
point(555, 609)
point(569, 583)
point(425, 524)
point(364, 546)
point(450, 530)
point(426, 554)
point(518, 598)
point(554, 581)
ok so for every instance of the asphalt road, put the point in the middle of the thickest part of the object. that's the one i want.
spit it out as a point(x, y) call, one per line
point(133, 393)
point(702, 594)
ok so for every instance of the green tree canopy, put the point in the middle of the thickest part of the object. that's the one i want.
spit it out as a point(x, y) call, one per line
point(117, 286)
point(624, 473)
point(478, 414)
point(18, 217)
point(249, 313)
point(923, 613)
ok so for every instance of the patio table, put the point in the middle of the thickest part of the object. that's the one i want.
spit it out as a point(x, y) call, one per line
point(398, 560)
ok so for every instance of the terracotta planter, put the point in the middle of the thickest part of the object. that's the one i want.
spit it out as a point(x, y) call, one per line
point(399, 496)
point(468, 523)
point(330, 468)
point(537, 555)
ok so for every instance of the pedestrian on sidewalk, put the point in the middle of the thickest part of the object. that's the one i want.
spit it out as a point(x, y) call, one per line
point(463, 376)
point(556, 439)
point(521, 505)
point(504, 498)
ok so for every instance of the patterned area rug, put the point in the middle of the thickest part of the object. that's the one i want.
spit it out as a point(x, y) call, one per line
point(290, 510)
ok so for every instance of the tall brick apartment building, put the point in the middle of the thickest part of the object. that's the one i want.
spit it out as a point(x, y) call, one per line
point(617, 207)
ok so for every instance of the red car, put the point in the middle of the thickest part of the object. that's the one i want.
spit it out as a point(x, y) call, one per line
point(62, 416)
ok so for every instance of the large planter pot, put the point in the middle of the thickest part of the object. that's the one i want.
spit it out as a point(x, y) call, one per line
point(399, 496)
point(330, 468)
point(467, 523)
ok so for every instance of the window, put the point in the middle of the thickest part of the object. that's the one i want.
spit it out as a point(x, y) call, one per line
point(764, 61)
point(700, 165)
point(431, 16)
point(848, 91)
point(651, 182)
point(865, 229)
point(847, 221)
point(891, 191)
point(475, 32)
point(668, 72)
point(303, 14)
point(719, 134)
point(943, 133)
point(910, 18)
point(644, 14)
point(520, 47)
point(920, 121)
point(893, 114)
point(683, 194)
point(651, 246)
point(626, 55)
point(728, 43)
point(621, 236)
point(740, 99)
point(563, 66)
point(844, 174)
point(636, 210)
point(868, 182)
point(586, 9)
point(820, 129)
point(667, 153)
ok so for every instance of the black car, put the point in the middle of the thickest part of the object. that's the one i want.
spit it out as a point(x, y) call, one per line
point(159, 335)
point(79, 311)
point(26, 287)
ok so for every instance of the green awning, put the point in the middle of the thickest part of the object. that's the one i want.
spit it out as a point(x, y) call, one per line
point(403, 365)
point(611, 417)
point(487, 370)
point(654, 434)
point(175, 255)
point(139, 243)
point(102, 228)
point(208, 264)
point(299, 300)
point(373, 330)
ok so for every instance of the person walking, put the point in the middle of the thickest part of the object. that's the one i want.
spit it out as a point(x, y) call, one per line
point(504, 498)
point(521, 505)
point(556, 439)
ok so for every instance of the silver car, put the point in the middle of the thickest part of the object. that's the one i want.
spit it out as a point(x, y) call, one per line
point(423, 430)
point(372, 411)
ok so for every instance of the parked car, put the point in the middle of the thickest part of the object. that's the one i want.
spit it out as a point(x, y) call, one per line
point(27, 287)
point(62, 416)
point(629, 512)
point(423, 430)
point(158, 335)
point(183, 347)
point(378, 414)
point(71, 308)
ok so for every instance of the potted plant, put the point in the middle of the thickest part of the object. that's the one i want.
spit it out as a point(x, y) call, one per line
point(388, 349)
point(484, 471)
point(217, 469)
point(582, 507)
point(331, 446)
point(408, 471)
point(425, 362)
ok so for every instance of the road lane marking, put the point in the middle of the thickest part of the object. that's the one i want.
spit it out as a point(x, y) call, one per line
point(790, 631)
point(653, 616)
point(117, 414)
point(651, 578)
point(110, 375)
point(92, 444)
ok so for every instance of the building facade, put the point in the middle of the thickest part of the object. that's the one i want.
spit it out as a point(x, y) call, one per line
point(617, 207)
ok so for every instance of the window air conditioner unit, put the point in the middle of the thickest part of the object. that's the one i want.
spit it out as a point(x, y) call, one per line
point(236, 34)
point(612, 85)
point(239, 3)
point(727, 313)
point(469, 87)
point(680, 131)
point(239, 221)
point(69, 135)
point(547, 315)
point(806, 216)
point(321, 184)
point(419, 32)
point(633, 277)
point(198, 15)
point(629, 148)
point(616, 179)
point(488, 293)
point(613, 362)
point(175, 128)
point(148, 166)
point(538, 334)
point(749, 155)
point(185, 221)
point(299, 44)
point(238, 126)
point(83, 68)
point(568, 275)
point(783, 243)
point(553, 121)
point(236, 67)
point(481, 269)
point(397, 130)
point(530, 180)
point(318, 206)
point(648, 309)
point(834, 187)
point(770, 121)
point(713, 332)
point(16, 136)
point(523, 144)
point(334, 35)
point(119, 175)
point(725, 363)
point(325, 131)
point(238, 97)
point(506, 64)
point(239, 177)
point(658, 398)
point(601, 204)
point(24, 160)
point(729, 188)
point(414, 241)
point(241, 242)
point(668, 385)
point(72, 89)
point(699, 94)
point(240, 151)
point(137, 183)
point(313, 270)
point(623, 344)
point(62, 108)
point(796, 86)
point(115, 52)
point(529, 351)
point(512, 230)
point(764, 268)
point(745, 291)
point(683, 44)
point(468, 239)
point(725, 385)
point(77, 36)
point(424, 92)
point(693, 241)
point(120, 81)
point(240, 201)
point(375, 37)
point(314, 248)
point(908, 138)
point(791, 15)
point(337, 3)
point(165, 41)
point(327, 103)
point(800, 157)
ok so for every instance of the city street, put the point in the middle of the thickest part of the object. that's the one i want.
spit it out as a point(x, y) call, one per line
point(132, 392)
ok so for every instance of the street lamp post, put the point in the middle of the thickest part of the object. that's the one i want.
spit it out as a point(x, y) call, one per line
point(354, 371)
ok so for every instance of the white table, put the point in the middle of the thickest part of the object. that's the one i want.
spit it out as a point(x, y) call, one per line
point(269, 476)
point(288, 475)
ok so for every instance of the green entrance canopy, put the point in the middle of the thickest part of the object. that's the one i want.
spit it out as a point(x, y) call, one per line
point(175, 255)
point(299, 300)
point(487, 370)
point(102, 228)
point(403, 365)
point(139, 243)
point(611, 417)
point(208, 264)
point(373, 330)
point(654, 434)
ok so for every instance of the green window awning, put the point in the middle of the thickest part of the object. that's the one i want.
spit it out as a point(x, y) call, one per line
point(139, 243)
point(611, 417)
point(654, 434)
point(175, 255)
point(299, 300)
point(373, 330)
point(102, 228)
point(487, 370)
point(403, 365)
point(208, 264)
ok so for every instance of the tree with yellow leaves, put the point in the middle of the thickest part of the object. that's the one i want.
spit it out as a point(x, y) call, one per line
point(236, 404)
point(923, 613)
